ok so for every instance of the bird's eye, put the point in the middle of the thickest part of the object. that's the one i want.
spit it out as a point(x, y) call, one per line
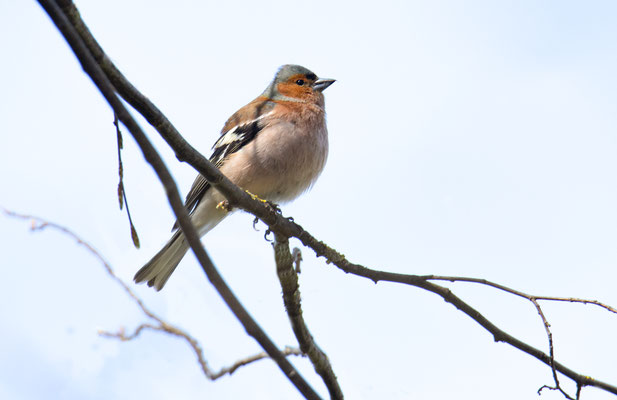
point(300, 82)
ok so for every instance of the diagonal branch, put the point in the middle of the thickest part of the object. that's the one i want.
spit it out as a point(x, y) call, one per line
point(535, 301)
point(150, 154)
point(291, 297)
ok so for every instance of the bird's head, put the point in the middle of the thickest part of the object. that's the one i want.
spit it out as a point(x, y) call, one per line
point(296, 83)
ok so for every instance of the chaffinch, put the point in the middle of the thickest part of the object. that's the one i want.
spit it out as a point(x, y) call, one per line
point(275, 147)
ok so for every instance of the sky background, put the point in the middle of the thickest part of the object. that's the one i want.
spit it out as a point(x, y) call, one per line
point(472, 138)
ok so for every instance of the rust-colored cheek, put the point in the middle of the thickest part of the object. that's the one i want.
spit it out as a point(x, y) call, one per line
point(295, 91)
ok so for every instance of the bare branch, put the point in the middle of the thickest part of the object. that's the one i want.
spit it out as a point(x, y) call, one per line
point(534, 300)
point(259, 356)
point(38, 223)
point(151, 155)
point(291, 297)
point(551, 349)
point(518, 292)
point(211, 375)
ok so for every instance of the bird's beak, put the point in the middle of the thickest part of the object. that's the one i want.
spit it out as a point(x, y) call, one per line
point(321, 84)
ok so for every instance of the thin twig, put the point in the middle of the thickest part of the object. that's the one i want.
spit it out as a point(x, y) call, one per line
point(151, 155)
point(38, 223)
point(291, 297)
point(210, 374)
point(551, 348)
point(288, 351)
point(518, 292)
point(122, 200)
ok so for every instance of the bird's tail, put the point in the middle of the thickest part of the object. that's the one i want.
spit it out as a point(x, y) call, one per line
point(158, 270)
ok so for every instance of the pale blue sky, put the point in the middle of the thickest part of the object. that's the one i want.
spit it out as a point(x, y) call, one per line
point(470, 138)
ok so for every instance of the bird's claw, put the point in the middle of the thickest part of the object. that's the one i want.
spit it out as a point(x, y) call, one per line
point(268, 232)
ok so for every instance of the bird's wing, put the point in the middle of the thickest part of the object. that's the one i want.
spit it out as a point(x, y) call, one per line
point(228, 143)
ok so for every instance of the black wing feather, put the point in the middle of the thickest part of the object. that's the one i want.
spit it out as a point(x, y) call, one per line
point(227, 144)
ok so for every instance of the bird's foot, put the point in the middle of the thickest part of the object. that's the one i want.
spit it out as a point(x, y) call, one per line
point(224, 205)
point(255, 197)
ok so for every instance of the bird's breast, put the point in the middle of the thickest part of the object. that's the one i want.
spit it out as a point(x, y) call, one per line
point(283, 160)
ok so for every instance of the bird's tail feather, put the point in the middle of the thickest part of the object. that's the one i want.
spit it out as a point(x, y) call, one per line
point(158, 270)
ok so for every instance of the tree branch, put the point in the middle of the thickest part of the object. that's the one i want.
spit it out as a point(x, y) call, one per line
point(422, 282)
point(107, 90)
point(518, 292)
point(288, 351)
point(210, 374)
point(291, 297)
point(535, 301)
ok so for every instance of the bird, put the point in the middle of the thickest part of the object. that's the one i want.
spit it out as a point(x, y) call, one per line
point(275, 148)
